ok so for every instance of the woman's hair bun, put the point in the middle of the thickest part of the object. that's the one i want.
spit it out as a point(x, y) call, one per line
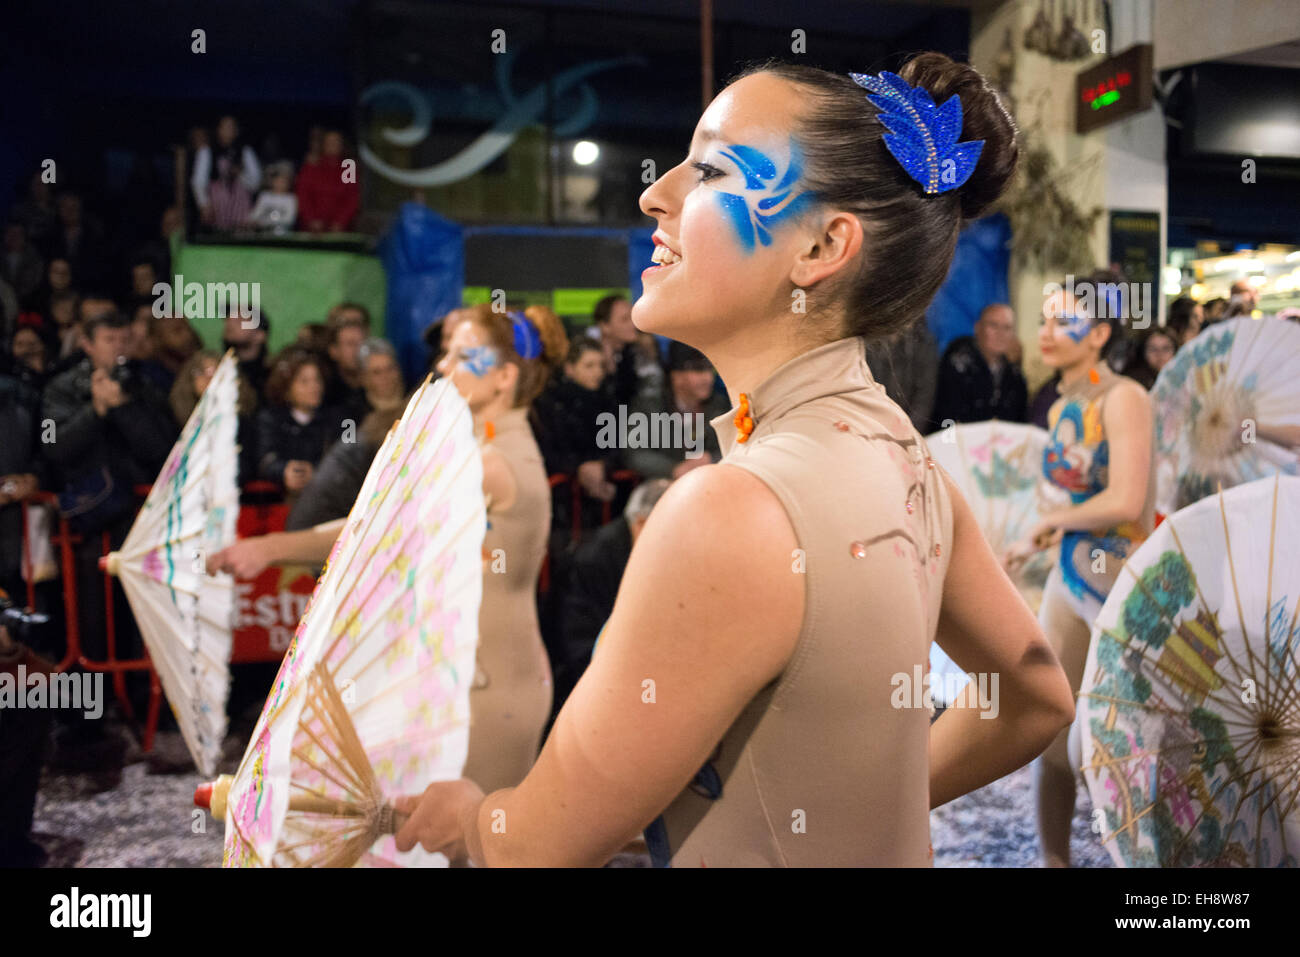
point(550, 329)
point(983, 118)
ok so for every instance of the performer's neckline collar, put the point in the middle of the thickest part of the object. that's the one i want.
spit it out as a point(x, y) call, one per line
point(830, 369)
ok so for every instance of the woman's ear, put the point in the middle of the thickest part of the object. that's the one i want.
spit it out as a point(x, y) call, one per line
point(507, 377)
point(1100, 334)
point(833, 246)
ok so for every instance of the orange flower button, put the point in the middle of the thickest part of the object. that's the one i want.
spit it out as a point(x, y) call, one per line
point(744, 421)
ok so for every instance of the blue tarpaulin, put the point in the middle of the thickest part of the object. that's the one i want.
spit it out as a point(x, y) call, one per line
point(976, 278)
point(424, 256)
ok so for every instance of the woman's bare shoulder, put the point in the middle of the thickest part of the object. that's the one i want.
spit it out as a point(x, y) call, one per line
point(722, 498)
point(719, 542)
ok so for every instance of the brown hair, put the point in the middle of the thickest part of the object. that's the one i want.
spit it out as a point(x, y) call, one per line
point(184, 397)
point(314, 336)
point(284, 369)
point(580, 345)
point(908, 236)
point(335, 318)
point(533, 373)
point(375, 426)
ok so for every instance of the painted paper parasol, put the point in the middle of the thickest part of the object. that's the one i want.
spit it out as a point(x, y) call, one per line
point(1190, 726)
point(184, 614)
point(1227, 410)
point(998, 466)
point(372, 699)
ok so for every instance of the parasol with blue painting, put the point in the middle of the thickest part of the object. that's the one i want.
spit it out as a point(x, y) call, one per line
point(1227, 410)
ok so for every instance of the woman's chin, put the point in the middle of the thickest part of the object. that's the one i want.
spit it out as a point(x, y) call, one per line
point(646, 317)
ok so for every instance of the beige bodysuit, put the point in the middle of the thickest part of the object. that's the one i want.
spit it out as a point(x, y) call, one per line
point(822, 767)
point(510, 699)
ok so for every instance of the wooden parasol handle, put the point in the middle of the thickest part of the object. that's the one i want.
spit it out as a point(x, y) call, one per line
point(389, 818)
point(213, 796)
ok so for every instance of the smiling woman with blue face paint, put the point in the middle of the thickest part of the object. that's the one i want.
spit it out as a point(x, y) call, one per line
point(744, 705)
point(1100, 453)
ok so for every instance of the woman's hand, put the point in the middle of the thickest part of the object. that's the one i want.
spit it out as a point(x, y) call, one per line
point(246, 558)
point(297, 475)
point(1045, 533)
point(591, 476)
point(15, 488)
point(438, 817)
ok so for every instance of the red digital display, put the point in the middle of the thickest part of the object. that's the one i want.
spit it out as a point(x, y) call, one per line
point(1114, 82)
point(1116, 87)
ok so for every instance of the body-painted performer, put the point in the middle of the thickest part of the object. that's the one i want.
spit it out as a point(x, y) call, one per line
point(744, 703)
point(1099, 451)
point(500, 362)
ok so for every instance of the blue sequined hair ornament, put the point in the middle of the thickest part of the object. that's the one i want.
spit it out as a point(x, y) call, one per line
point(528, 341)
point(922, 136)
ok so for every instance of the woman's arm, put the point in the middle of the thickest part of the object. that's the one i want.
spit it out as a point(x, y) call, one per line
point(498, 481)
point(986, 628)
point(270, 465)
point(247, 557)
point(1127, 419)
point(708, 613)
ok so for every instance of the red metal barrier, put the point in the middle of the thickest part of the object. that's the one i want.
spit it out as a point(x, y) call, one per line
point(64, 538)
point(276, 596)
point(267, 607)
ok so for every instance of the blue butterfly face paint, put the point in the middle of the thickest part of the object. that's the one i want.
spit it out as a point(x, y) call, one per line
point(769, 197)
point(479, 360)
point(1075, 326)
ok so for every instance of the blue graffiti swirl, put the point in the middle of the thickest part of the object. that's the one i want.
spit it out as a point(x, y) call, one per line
point(520, 112)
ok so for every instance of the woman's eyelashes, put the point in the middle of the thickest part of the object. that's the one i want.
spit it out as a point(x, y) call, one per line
point(707, 172)
point(478, 359)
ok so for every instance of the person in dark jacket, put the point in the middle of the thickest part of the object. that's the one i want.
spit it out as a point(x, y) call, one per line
point(612, 329)
point(689, 393)
point(906, 366)
point(23, 733)
point(596, 572)
point(249, 337)
point(565, 420)
point(567, 415)
point(19, 474)
point(977, 379)
point(347, 329)
point(110, 431)
point(295, 427)
point(337, 481)
point(105, 413)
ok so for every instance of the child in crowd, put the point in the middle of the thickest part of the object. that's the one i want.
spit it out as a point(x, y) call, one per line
point(276, 209)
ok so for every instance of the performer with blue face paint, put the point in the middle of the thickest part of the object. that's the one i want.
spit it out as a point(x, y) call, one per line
point(1100, 453)
point(746, 703)
point(499, 362)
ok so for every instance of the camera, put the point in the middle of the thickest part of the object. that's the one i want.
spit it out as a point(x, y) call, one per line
point(125, 375)
point(20, 624)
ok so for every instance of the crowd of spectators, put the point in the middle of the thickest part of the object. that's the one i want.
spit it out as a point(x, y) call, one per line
point(233, 191)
